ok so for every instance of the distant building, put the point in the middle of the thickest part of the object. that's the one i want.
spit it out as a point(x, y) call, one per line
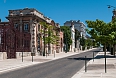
point(80, 26)
point(114, 14)
point(71, 25)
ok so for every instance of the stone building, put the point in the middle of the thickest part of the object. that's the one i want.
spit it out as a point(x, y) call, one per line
point(72, 29)
point(80, 26)
point(21, 34)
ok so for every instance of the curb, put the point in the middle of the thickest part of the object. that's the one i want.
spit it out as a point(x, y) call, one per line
point(8, 69)
point(81, 71)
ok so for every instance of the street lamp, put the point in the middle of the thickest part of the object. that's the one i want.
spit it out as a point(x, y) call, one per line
point(109, 6)
point(114, 15)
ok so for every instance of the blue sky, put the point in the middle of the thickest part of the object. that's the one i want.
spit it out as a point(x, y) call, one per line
point(63, 10)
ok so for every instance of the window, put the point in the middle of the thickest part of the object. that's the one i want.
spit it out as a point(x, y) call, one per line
point(16, 25)
point(26, 27)
point(38, 27)
point(0, 39)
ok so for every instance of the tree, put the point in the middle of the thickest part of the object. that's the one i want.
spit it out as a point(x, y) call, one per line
point(67, 37)
point(100, 31)
point(88, 43)
point(83, 42)
point(49, 36)
point(112, 34)
point(77, 36)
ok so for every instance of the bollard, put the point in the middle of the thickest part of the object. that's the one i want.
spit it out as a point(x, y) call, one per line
point(93, 56)
point(54, 54)
point(32, 57)
point(46, 53)
point(22, 56)
point(85, 65)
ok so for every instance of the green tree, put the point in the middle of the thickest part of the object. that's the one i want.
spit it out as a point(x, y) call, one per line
point(67, 36)
point(83, 42)
point(101, 32)
point(89, 43)
point(49, 36)
point(77, 36)
point(112, 35)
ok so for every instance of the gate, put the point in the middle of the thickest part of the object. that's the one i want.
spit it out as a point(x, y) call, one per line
point(10, 44)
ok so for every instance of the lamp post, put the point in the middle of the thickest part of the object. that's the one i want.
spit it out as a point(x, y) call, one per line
point(114, 16)
point(109, 6)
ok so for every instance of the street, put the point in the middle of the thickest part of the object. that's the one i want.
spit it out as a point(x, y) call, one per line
point(60, 68)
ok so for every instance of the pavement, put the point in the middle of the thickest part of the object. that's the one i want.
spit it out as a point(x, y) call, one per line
point(8, 65)
point(96, 67)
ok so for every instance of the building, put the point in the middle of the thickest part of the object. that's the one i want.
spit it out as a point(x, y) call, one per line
point(72, 47)
point(80, 26)
point(114, 14)
point(22, 33)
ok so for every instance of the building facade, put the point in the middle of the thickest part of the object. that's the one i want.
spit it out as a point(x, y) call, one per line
point(22, 34)
point(72, 29)
point(80, 26)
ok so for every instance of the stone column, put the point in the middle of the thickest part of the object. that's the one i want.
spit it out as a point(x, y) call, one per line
point(20, 24)
point(31, 45)
point(33, 36)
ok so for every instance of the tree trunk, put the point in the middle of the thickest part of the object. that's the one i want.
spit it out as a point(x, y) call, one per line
point(114, 49)
point(105, 57)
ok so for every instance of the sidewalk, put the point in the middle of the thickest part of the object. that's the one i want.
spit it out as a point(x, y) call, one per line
point(12, 64)
point(96, 69)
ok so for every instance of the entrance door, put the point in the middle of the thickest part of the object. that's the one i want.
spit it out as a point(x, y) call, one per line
point(10, 44)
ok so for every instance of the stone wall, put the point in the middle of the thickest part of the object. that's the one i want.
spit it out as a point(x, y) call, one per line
point(25, 54)
point(3, 55)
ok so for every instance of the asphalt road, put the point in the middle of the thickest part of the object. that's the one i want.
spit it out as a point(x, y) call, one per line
point(60, 68)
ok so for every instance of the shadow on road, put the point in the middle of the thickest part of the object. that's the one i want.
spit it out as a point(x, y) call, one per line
point(80, 58)
point(97, 57)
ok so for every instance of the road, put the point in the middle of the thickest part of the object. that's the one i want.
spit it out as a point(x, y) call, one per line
point(60, 68)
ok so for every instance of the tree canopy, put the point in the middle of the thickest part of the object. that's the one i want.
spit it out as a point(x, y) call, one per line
point(67, 36)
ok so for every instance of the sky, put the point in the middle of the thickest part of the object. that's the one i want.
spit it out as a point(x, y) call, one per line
point(63, 10)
